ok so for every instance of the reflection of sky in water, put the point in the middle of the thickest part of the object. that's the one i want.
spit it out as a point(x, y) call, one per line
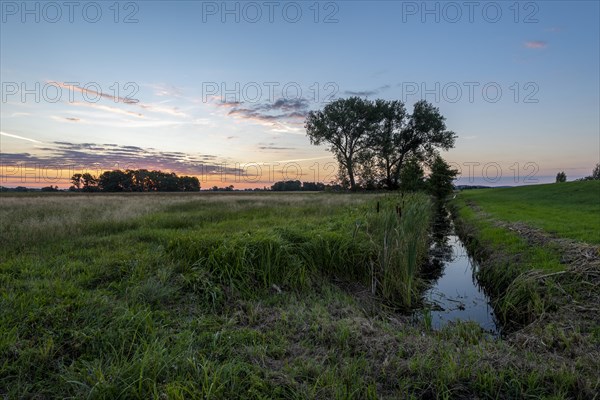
point(458, 293)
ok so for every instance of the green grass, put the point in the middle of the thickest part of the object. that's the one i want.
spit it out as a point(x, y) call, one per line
point(517, 260)
point(237, 296)
point(570, 210)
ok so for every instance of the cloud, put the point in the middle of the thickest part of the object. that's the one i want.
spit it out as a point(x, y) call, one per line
point(109, 109)
point(72, 119)
point(296, 105)
point(165, 90)
point(17, 114)
point(277, 115)
point(273, 146)
point(164, 110)
point(303, 159)
point(93, 94)
point(536, 44)
point(367, 93)
point(18, 137)
point(110, 156)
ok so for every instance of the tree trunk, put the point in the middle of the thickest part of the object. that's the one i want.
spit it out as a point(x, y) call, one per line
point(351, 175)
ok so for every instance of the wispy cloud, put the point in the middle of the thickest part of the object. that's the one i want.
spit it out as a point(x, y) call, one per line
point(367, 93)
point(282, 115)
point(273, 146)
point(102, 107)
point(11, 135)
point(303, 159)
point(536, 44)
point(159, 107)
point(93, 93)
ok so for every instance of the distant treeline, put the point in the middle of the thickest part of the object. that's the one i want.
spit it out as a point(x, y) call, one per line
point(138, 180)
point(284, 186)
point(296, 186)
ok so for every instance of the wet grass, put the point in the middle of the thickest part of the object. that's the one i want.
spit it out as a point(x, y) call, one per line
point(238, 296)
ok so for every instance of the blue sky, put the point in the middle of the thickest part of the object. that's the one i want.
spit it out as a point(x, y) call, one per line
point(175, 58)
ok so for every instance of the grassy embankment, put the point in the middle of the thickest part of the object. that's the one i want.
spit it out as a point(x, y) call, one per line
point(541, 259)
point(238, 296)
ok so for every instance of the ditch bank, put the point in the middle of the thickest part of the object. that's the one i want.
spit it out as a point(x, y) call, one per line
point(554, 311)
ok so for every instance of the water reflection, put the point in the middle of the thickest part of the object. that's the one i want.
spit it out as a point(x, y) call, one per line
point(455, 293)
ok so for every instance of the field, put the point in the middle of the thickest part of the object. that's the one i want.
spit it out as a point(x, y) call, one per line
point(265, 296)
point(571, 210)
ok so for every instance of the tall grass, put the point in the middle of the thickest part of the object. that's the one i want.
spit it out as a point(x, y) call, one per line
point(387, 250)
point(135, 297)
point(399, 234)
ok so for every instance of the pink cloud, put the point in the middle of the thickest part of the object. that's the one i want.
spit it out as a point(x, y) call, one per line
point(536, 44)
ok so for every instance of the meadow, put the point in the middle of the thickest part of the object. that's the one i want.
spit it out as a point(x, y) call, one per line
point(262, 295)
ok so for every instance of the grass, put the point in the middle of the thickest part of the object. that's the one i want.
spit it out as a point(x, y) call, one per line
point(538, 247)
point(239, 296)
point(570, 210)
point(399, 233)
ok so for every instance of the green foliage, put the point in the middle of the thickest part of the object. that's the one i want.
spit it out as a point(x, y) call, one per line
point(440, 181)
point(135, 181)
point(235, 296)
point(412, 176)
point(399, 233)
point(343, 124)
point(596, 172)
point(296, 186)
point(372, 140)
point(561, 177)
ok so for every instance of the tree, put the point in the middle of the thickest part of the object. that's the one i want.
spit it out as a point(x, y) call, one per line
point(561, 177)
point(136, 181)
point(76, 180)
point(400, 136)
point(372, 140)
point(596, 172)
point(313, 186)
point(384, 139)
point(343, 124)
point(440, 179)
point(89, 182)
point(188, 184)
point(286, 186)
point(412, 177)
point(114, 181)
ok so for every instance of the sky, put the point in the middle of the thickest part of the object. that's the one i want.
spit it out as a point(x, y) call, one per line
point(220, 90)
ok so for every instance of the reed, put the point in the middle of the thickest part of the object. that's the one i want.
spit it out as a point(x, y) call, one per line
point(399, 232)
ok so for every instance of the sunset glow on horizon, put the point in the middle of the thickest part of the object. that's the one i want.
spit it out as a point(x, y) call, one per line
point(220, 90)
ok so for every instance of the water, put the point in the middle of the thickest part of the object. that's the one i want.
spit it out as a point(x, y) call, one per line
point(455, 293)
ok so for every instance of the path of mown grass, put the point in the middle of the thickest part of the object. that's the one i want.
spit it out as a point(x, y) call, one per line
point(102, 297)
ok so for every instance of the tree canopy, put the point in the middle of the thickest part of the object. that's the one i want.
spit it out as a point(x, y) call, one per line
point(372, 139)
point(440, 182)
point(139, 180)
